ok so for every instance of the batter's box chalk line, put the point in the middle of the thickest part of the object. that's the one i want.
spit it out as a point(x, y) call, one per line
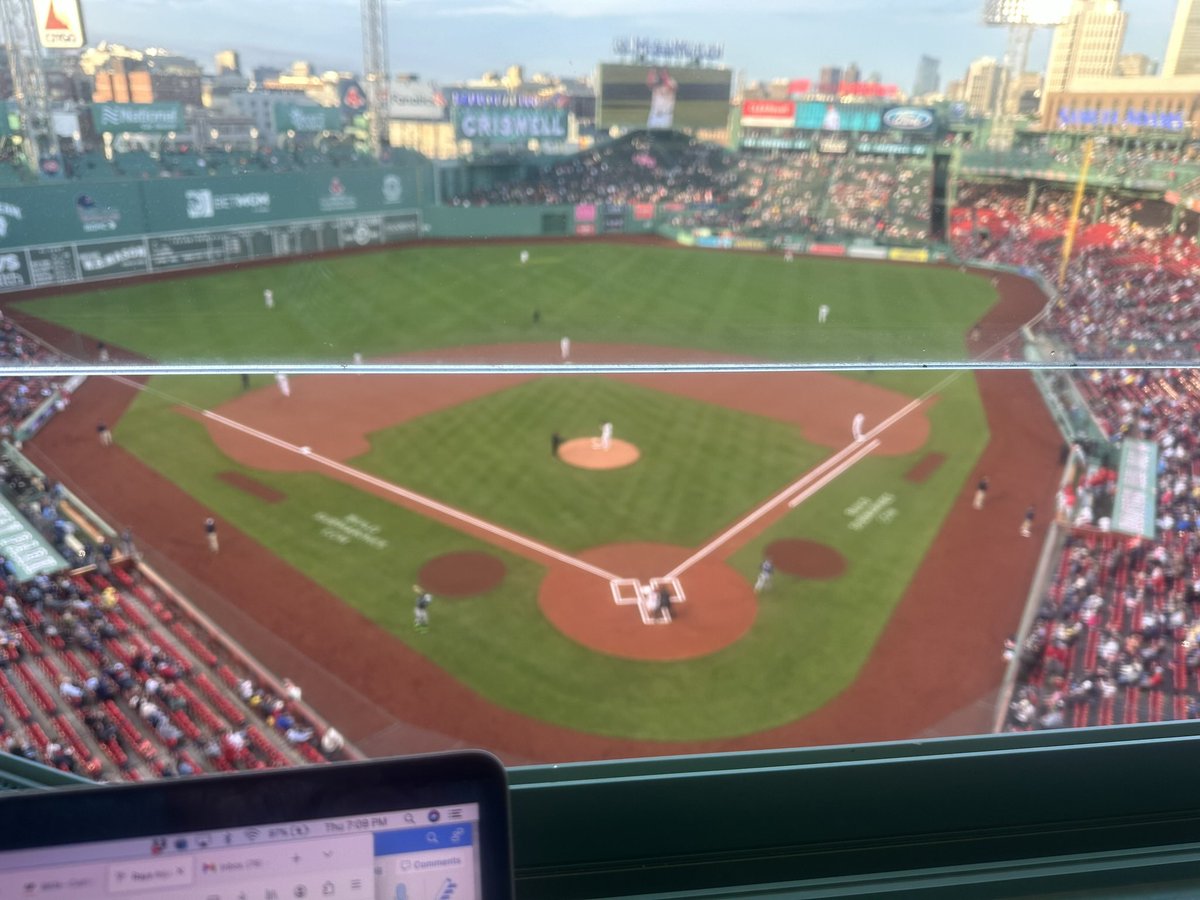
point(631, 592)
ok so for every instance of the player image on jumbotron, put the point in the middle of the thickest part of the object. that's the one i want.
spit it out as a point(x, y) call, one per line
point(663, 89)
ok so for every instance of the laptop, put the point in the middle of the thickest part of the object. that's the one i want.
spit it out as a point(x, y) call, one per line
point(417, 828)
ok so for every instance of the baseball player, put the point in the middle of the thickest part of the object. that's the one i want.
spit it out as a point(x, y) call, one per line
point(664, 602)
point(285, 387)
point(606, 436)
point(981, 490)
point(765, 571)
point(1027, 522)
point(524, 257)
point(105, 435)
point(210, 530)
point(856, 428)
point(822, 314)
point(269, 298)
point(421, 608)
point(564, 347)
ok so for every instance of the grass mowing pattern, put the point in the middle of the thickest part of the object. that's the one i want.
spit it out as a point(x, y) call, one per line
point(422, 297)
point(702, 466)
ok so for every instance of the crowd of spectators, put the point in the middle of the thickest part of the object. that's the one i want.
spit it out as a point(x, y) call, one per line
point(1117, 636)
point(641, 168)
point(103, 672)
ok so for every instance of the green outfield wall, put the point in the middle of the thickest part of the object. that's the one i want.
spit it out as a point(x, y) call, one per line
point(64, 234)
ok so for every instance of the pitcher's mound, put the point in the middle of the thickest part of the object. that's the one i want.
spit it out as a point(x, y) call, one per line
point(462, 574)
point(586, 453)
point(806, 559)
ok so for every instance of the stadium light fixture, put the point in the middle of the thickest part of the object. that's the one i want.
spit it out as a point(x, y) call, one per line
point(1039, 13)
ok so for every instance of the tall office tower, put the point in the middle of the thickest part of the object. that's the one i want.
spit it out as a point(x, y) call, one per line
point(853, 74)
point(1087, 44)
point(1183, 48)
point(985, 80)
point(928, 76)
point(829, 80)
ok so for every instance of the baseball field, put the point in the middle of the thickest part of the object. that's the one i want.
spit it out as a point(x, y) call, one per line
point(544, 641)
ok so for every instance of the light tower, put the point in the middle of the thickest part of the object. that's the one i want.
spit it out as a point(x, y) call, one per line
point(375, 68)
point(29, 82)
point(1021, 17)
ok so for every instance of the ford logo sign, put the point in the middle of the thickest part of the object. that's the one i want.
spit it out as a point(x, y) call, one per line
point(908, 118)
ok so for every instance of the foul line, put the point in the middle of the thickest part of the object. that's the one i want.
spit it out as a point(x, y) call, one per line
point(829, 476)
point(414, 497)
point(850, 450)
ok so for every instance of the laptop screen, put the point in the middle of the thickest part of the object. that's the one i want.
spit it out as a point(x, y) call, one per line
point(421, 828)
point(407, 854)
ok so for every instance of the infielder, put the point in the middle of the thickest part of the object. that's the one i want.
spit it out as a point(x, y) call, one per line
point(285, 387)
point(421, 608)
point(856, 428)
point(822, 314)
point(269, 298)
point(764, 576)
point(606, 436)
point(210, 530)
point(564, 347)
point(524, 257)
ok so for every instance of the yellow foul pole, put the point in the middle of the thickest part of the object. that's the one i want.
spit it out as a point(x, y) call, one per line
point(1073, 224)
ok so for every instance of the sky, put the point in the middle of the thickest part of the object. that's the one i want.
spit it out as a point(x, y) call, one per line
point(450, 40)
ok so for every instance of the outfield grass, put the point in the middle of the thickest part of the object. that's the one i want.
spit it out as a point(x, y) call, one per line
point(705, 465)
point(382, 304)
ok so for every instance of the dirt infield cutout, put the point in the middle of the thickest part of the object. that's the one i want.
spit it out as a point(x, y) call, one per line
point(463, 574)
point(926, 466)
point(720, 606)
point(586, 453)
point(255, 488)
point(806, 559)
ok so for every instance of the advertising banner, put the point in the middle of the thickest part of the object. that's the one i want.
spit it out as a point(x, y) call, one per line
point(176, 251)
point(614, 219)
point(113, 258)
point(29, 553)
point(585, 229)
point(768, 114)
point(509, 124)
point(643, 212)
point(117, 117)
point(14, 271)
point(305, 119)
point(56, 213)
point(1135, 506)
point(642, 96)
point(53, 265)
point(827, 249)
point(903, 254)
point(585, 212)
point(59, 24)
point(816, 116)
point(868, 253)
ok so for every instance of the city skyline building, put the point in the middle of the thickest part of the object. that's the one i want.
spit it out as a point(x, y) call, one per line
point(1183, 46)
point(984, 82)
point(1087, 45)
point(928, 76)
